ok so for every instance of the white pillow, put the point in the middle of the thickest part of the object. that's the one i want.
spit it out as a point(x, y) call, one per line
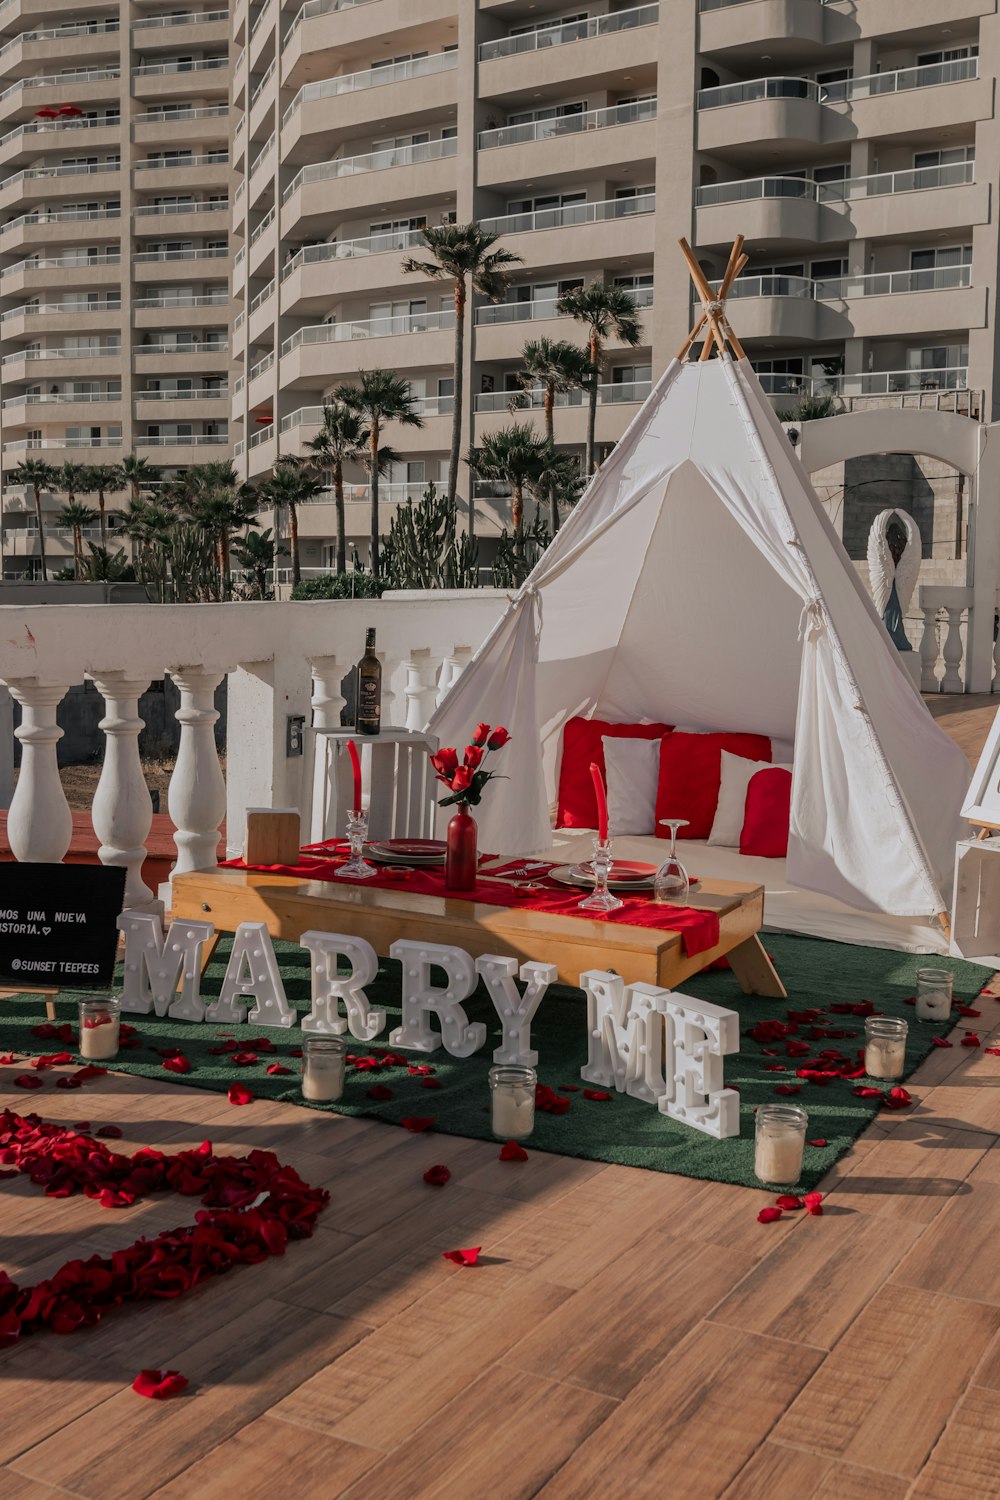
point(730, 813)
point(632, 773)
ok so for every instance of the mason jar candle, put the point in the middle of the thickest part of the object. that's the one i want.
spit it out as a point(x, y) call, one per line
point(885, 1048)
point(779, 1144)
point(933, 994)
point(99, 1025)
point(323, 1069)
point(513, 1096)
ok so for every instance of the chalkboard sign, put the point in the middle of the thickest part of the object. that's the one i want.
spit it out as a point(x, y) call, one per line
point(58, 924)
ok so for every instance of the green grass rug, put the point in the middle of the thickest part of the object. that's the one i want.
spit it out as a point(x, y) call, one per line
point(816, 974)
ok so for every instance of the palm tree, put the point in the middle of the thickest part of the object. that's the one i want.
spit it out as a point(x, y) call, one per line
point(291, 484)
point(342, 439)
point(255, 554)
point(379, 397)
point(138, 474)
point(76, 516)
point(463, 253)
point(73, 481)
point(515, 455)
point(37, 475)
point(561, 481)
point(556, 366)
point(100, 479)
point(220, 511)
point(608, 311)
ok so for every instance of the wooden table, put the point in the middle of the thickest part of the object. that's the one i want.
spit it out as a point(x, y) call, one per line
point(290, 906)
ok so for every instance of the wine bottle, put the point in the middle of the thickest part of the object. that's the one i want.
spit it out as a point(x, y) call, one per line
point(369, 707)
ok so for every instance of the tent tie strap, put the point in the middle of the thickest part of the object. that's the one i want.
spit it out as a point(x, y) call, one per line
point(812, 621)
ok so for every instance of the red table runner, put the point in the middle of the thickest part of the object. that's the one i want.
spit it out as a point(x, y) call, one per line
point(699, 930)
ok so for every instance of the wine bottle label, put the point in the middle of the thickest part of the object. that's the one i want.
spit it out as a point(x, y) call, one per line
point(369, 699)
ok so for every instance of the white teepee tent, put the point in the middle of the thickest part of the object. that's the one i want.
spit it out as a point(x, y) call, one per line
point(699, 582)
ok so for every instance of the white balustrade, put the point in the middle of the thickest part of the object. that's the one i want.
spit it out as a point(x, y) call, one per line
point(39, 824)
point(420, 690)
point(122, 813)
point(327, 700)
point(948, 615)
point(197, 796)
point(452, 668)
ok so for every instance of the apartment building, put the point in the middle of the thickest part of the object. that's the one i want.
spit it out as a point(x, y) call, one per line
point(114, 235)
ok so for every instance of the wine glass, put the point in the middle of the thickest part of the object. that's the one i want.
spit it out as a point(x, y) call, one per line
point(671, 882)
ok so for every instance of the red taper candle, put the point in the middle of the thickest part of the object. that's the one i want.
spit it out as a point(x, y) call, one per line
point(602, 802)
point(352, 751)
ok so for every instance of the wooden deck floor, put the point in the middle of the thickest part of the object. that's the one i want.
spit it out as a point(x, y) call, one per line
point(627, 1334)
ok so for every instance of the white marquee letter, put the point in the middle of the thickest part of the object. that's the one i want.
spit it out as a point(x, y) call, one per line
point(330, 988)
point(699, 1035)
point(254, 953)
point(625, 1035)
point(515, 1010)
point(421, 999)
point(153, 966)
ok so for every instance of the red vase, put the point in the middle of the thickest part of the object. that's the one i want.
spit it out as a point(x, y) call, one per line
point(460, 862)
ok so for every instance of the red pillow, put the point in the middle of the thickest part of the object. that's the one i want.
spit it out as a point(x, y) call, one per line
point(690, 773)
point(581, 747)
point(765, 822)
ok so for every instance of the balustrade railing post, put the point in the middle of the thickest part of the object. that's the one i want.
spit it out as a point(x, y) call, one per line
point(953, 652)
point(197, 795)
point(451, 670)
point(39, 823)
point(929, 650)
point(420, 690)
point(122, 812)
point(327, 700)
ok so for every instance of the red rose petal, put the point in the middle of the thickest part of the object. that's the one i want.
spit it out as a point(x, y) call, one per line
point(89, 1071)
point(599, 1094)
point(775, 1068)
point(380, 1092)
point(813, 1203)
point(768, 1215)
point(159, 1384)
point(788, 1088)
point(790, 1201)
point(7, 1059)
point(819, 1142)
point(418, 1123)
point(71, 1081)
point(513, 1151)
point(244, 1059)
point(462, 1257)
point(896, 1098)
point(30, 1081)
point(176, 1065)
point(83, 1126)
point(437, 1176)
point(275, 1068)
point(990, 1051)
point(237, 1094)
point(863, 1091)
point(972, 1040)
point(431, 1083)
point(111, 1132)
point(966, 1010)
point(940, 1041)
point(569, 1088)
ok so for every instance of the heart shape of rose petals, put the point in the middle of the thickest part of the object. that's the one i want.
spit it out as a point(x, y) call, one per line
point(437, 1176)
point(513, 1151)
point(462, 1257)
point(158, 1385)
point(237, 1094)
point(418, 1123)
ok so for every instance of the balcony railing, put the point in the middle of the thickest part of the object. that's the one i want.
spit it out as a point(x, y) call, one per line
point(560, 32)
point(62, 216)
point(206, 112)
point(65, 351)
point(63, 80)
point(372, 161)
point(262, 435)
point(870, 383)
point(61, 33)
point(61, 262)
point(261, 154)
point(261, 366)
point(425, 406)
point(210, 252)
point(187, 299)
point(217, 393)
point(320, 8)
point(173, 164)
point(176, 65)
point(370, 328)
point(900, 80)
point(186, 346)
point(371, 78)
point(178, 440)
point(61, 398)
point(542, 308)
point(878, 184)
point(196, 206)
point(265, 221)
point(759, 88)
point(606, 209)
point(262, 296)
point(844, 288)
point(74, 169)
point(185, 18)
point(557, 126)
point(22, 445)
point(608, 394)
point(60, 309)
point(43, 127)
point(262, 82)
point(373, 244)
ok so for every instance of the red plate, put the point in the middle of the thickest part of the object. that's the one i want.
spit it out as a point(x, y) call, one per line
point(413, 848)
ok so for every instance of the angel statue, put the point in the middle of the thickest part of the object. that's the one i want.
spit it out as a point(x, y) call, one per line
point(893, 566)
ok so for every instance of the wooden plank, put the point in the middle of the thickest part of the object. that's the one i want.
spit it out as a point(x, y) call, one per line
point(263, 1458)
point(883, 1396)
point(754, 970)
point(969, 1221)
point(779, 1473)
point(693, 1423)
point(965, 1465)
point(893, 1174)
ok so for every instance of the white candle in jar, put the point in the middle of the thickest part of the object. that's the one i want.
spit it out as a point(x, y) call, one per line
point(885, 1056)
point(99, 1038)
point(513, 1111)
point(778, 1154)
point(323, 1080)
point(935, 1005)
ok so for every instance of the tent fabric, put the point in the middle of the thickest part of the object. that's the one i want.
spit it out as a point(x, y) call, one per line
point(700, 582)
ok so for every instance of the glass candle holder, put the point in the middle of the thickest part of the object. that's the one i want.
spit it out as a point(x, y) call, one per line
point(357, 867)
point(934, 994)
point(99, 1028)
point(601, 900)
point(323, 1068)
point(779, 1144)
point(885, 1047)
point(513, 1097)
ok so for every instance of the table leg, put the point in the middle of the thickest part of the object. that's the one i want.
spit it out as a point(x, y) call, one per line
point(754, 970)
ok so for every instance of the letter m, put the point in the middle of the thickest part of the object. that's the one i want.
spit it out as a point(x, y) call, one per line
point(625, 1035)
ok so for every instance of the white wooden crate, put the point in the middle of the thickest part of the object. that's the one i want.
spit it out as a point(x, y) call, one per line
point(398, 782)
point(975, 905)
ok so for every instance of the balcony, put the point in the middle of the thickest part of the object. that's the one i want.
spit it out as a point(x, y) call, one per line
point(415, 173)
point(371, 78)
point(61, 226)
point(559, 33)
point(362, 268)
point(559, 126)
point(739, 31)
point(616, 407)
point(184, 18)
point(31, 445)
point(184, 217)
point(501, 332)
point(623, 133)
point(329, 350)
point(579, 233)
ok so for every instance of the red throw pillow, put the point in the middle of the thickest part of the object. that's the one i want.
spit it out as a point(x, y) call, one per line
point(582, 747)
point(690, 775)
point(765, 822)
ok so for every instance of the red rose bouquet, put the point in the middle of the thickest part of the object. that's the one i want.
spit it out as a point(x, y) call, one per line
point(467, 779)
